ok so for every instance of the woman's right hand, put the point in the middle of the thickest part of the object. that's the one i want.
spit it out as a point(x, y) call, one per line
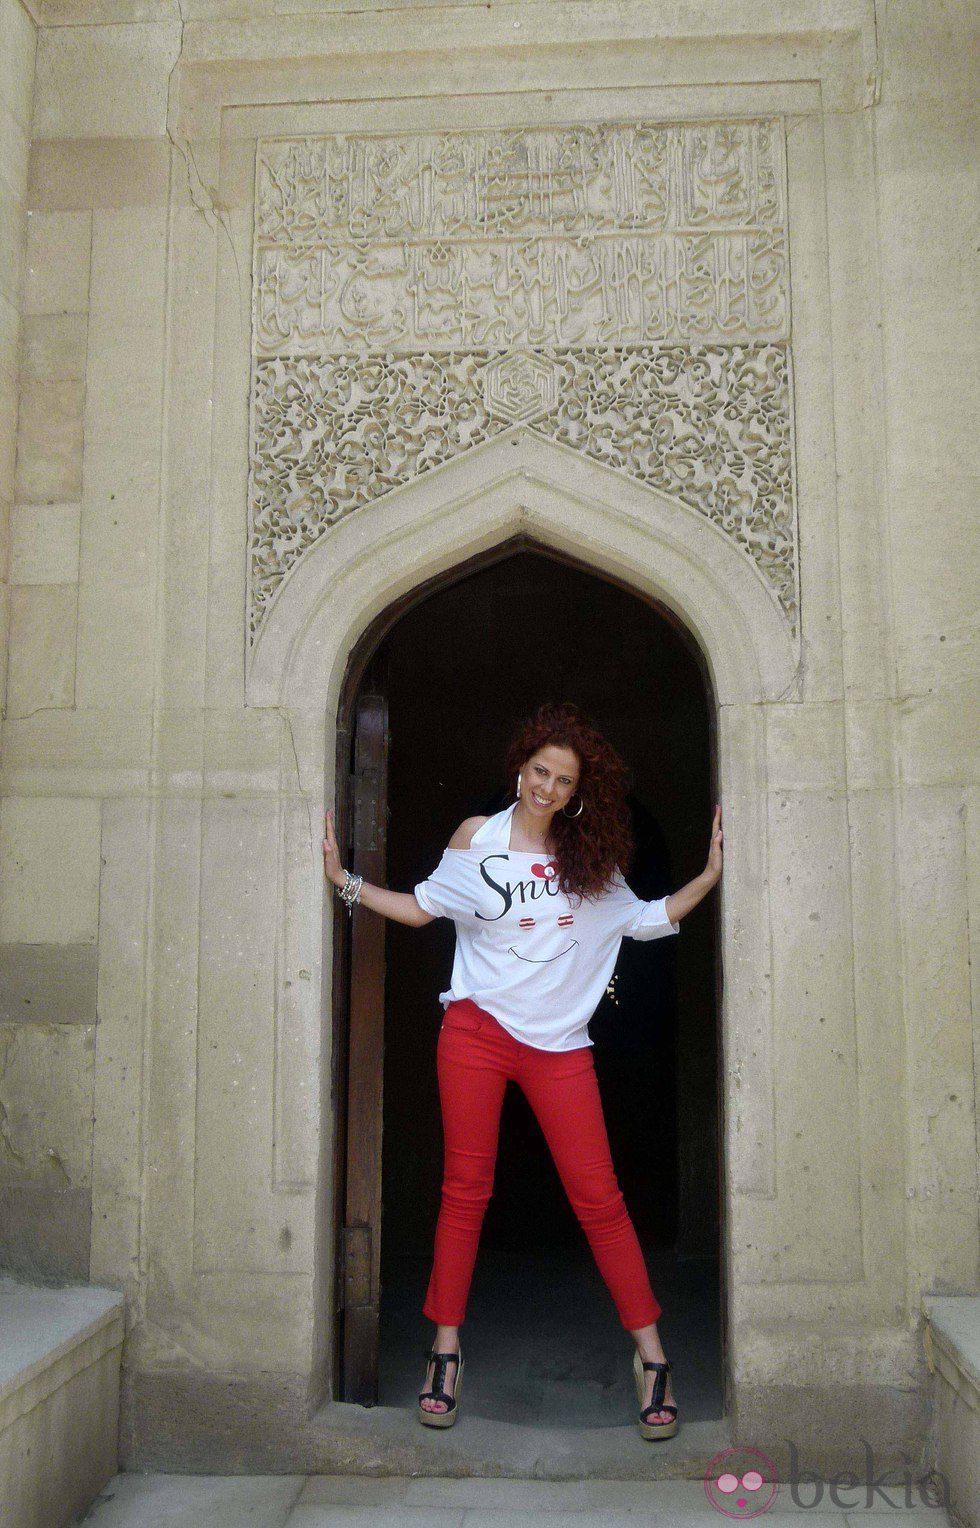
point(333, 869)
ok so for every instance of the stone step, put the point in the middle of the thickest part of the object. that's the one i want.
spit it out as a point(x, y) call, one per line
point(60, 1350)
point(952, 1342)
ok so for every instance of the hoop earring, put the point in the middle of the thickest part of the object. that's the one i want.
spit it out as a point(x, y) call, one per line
point(518, 796)
point(566, 813)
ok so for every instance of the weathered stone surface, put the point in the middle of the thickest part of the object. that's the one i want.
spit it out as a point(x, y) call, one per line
point(44, 544)
point(58, 259)
point(45, 1230)
point(105, 82)
point(49, 870)
point(41, 667)
point(48, 983)
point(46, 1073)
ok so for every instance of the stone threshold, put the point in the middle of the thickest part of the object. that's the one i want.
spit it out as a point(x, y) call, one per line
point(197, 1423)
point(389, 1440)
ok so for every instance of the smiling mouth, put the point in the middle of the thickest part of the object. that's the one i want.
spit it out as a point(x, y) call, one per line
point(548, 960)
point(538, 801)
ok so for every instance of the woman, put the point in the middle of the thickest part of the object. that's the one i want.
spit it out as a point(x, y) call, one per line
point(541, 907)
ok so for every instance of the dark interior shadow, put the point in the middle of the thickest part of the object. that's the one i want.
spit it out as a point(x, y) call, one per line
point(464, 667)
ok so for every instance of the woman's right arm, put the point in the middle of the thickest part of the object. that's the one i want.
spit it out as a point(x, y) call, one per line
point(400, 906)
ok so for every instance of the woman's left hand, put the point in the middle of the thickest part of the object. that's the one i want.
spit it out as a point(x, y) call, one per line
point(713, 867)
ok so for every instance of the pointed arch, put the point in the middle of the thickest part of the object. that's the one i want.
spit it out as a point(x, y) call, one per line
point(521, 483)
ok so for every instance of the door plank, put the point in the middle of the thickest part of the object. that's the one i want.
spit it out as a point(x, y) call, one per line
point(361, 1264)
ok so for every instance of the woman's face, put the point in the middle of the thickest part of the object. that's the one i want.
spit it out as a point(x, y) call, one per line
point(549, 779)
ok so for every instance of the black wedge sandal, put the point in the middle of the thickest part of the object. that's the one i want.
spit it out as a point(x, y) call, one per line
point(654, 1429)
point(437, 1393)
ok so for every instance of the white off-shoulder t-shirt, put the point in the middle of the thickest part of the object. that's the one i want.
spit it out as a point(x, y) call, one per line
point(524, 952)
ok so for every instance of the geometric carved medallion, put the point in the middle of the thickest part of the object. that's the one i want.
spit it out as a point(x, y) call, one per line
point(518, 387)
point(621, 288)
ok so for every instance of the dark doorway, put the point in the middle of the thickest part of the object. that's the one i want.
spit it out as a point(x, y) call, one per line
point(460, 669)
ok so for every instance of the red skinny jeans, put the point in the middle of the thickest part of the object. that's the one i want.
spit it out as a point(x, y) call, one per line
point(475, 1057)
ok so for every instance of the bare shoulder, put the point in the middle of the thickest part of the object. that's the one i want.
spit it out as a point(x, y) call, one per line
point(463, 835)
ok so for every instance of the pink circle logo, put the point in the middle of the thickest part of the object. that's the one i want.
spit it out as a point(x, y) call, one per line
point(741, 1482)
point(546, 872)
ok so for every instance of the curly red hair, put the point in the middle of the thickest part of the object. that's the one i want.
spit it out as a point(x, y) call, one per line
point(592, 846)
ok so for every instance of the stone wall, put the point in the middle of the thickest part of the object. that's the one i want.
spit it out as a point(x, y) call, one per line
point(48, 847)
point(18, 41)
point(924, 127)
point(175, 660)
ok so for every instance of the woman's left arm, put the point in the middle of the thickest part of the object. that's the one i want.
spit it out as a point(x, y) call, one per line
point(681, 902)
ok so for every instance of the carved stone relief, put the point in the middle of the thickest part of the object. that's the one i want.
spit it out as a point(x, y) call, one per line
point(622, 289)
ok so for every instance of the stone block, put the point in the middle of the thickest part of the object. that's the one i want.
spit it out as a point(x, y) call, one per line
point(44, 543)
point(88, 174)
point(123, 423)
point(48, 983)
point(149, 1501)
point(870, 743)
point(817, 1230)
point(46, 1081)
point(49, 869)
point(238, 1224)
point(59, 246)
point(45, 1230)
point(937, 568)
point(49, 442)
point(939, 736)
point(53, 347)
point(104, 81)
point(168, 1191)
point(15, 146)
point(939, 1039)
point(12, 236)
point(116, 1147)
point(8, 430)
point(114, 661)
point(41, 656)
point(82, 752)
point(18, 35)
point(805, 746)
point(10, 330)
point(122, 468)
point(128, 285)
point(4, 602)
point(243, 750)
point(180, 748)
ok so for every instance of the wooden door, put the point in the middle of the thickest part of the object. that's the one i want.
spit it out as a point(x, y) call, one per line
point(359, 1273)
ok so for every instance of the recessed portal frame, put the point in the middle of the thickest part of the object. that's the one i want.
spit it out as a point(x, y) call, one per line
point(331, 612)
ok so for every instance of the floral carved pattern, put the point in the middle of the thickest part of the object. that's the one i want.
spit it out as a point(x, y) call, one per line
point(622, 289)
point(707, 424)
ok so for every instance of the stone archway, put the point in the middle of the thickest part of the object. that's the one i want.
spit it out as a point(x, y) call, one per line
point(516, 485)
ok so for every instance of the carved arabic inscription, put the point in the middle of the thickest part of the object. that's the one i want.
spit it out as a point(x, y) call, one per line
point(622, 287)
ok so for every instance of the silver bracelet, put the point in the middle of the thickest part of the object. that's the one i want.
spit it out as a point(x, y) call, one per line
point(350, 892)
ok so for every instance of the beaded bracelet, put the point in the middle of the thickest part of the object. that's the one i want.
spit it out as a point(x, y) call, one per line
point(350, 892)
